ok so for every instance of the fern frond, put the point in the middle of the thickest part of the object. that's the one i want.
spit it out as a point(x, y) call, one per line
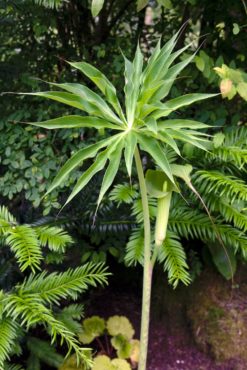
point(30, 310)
point(232, 149)
point(8, 335)
point(44, 352)
point(232, 213)
point(123, 193)
point(12, 367)
point(173, 256)
point(23, 241)
point(55, 238)
point(49, 3)
point(195, 224)
point(137, 209)
point(55, 286)
point(33, 363)
point(135, 248)
point(69, 316)
point(6, 215)
point(221, 184)
point(231, 154)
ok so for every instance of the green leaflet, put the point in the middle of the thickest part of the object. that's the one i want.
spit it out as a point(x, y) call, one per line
point(77, 159)
point(97, 166)
point(74, 122)
point(170, 78)
point(148, 92)
point(96, 7)
point(151, 124)
point(102, 82)
point(181, 101)
point(62, 97)
point(130, 145)
point(157, 62)
point(141, 4)
point(152, 147)
point(93, 103)
point(187, 138)
point(224, 259)
point(166, 138)
point(111, 171)
point(133, 72)
point(180, 124)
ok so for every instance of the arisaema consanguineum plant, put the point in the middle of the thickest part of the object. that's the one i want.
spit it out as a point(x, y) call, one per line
point(143, 124)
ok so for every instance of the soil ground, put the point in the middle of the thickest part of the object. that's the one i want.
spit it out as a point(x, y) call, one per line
point(171, 345)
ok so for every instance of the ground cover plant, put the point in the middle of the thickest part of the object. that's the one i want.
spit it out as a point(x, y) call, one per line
point(143, 125)
point(112, 341)
point(34, 300)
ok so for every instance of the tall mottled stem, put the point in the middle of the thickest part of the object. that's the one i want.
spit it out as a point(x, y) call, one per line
point(147, 267)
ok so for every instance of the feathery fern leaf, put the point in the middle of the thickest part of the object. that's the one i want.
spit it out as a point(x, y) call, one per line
point(24, 243)
point(190, 223)
point(173, 256)
point(231, 212)
point(221, 184)
point(30, 309)
point(12, 367)
point(6, 215)
point(137, 209)
point(69, 316)
point(231, 147)
point(55, 286)
point(55, 238)
point(8, 335)
point(49, 3)
point(123, 193)
point(43, 351)
point(134, 248)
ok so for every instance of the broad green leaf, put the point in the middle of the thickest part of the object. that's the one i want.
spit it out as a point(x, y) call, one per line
point(130, 146)
point(94, 104)
point(166, 3)
point(77, 160)
point(181, 101)
point(120, 325)
point(74, 122)
point(151, 146)
point(182, 171)
point(102, 82)
point(141, 4)
point(120, 364)
point(111, 171)
point(158, 184)
point(122, 346)
point(235, 29)
point(177, 124)
point(102, 362)
point(242, 90)
point(218, 139)
point(224, 259)
point(96, 7)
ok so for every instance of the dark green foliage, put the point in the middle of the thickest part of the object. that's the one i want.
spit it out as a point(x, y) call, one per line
point(31, 302)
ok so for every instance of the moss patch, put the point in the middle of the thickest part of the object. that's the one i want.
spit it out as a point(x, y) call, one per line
point(218, 317)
